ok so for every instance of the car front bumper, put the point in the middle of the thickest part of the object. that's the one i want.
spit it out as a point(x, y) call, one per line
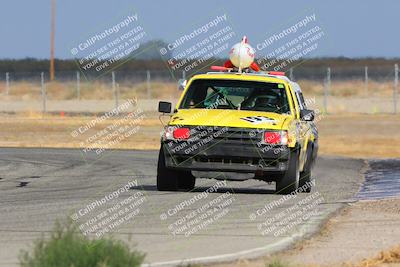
point(233, 151)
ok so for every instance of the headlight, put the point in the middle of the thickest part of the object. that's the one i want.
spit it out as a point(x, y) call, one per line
point(176, 133)
point(275, 138)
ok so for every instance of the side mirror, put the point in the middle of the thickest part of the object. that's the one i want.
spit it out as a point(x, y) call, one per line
point(181, 84)
point(164, 107)
point(307, 115)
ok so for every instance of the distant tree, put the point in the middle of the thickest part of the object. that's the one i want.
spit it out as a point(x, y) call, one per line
point(151, 50)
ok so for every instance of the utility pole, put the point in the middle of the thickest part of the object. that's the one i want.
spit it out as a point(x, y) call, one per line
point(52, 35)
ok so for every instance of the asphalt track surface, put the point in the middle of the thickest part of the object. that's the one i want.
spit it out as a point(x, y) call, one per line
point(39, 186)
point(382, 180)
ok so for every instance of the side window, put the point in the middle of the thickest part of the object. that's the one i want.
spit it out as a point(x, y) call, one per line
point(303, 103)
point(300, 100)
point(295, 105)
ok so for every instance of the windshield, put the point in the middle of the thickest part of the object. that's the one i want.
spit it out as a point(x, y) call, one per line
point(243, 95)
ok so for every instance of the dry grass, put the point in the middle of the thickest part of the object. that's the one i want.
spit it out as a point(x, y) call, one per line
point(360, 136)
point(34, 130)
point(101, 90)
point(384, 258)
point(96, 90)
point(348, 88)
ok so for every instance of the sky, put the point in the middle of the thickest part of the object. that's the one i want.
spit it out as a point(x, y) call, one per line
point(352, 28)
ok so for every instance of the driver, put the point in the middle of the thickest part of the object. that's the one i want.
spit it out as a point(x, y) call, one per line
point(266, 102)
point(270, 101)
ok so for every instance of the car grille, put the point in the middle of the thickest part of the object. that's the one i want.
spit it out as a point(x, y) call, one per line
point(234, 135)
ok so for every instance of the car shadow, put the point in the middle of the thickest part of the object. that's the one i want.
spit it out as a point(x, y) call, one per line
point(200, 189)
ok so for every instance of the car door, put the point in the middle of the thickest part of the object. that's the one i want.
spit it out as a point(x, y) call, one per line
point(305, 129)
point(298, 128)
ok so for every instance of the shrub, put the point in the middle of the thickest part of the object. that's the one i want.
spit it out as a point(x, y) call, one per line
point(276, 263)
point(68, 247)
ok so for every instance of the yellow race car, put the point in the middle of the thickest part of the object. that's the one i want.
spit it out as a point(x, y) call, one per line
point(238, 126)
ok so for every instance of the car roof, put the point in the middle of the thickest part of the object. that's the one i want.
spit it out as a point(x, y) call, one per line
point(261, 76)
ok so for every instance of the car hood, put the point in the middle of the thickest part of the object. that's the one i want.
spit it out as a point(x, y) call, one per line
point(230, 118)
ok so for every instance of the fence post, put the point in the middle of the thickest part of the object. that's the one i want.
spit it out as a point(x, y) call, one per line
point(117, 95)
point(113, 80)
point(325, 96)
point(328, 77)
point(366, 79)
point(114, 89)
point(396, 82)
point(291, 74)
point(327, 85)
point(148, 84)
point(7, 83)
point(78, 85)
point(43, 90)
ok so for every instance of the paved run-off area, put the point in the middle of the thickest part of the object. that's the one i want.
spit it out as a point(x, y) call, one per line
point(38, 186)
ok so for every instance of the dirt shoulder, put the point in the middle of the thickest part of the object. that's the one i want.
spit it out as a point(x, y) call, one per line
point(355, 237)
point(365, 233)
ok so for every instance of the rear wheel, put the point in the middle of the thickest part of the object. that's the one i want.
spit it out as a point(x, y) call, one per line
point(305, 175)
point(289, 182)
point(170, 179)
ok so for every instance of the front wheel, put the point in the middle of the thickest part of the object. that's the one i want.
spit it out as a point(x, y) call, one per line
point(289, 182)
point(186, 181)
point(170, 179)
point(305, 175)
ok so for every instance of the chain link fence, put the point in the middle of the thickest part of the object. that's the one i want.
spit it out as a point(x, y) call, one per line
point(370, 89)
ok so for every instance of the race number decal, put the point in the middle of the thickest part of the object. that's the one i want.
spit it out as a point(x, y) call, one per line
point(258, 119)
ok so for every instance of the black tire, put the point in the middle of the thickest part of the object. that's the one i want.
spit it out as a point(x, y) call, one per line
point(170, 179)
point(186, 181)
point(305, 175)
point(289, 182)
